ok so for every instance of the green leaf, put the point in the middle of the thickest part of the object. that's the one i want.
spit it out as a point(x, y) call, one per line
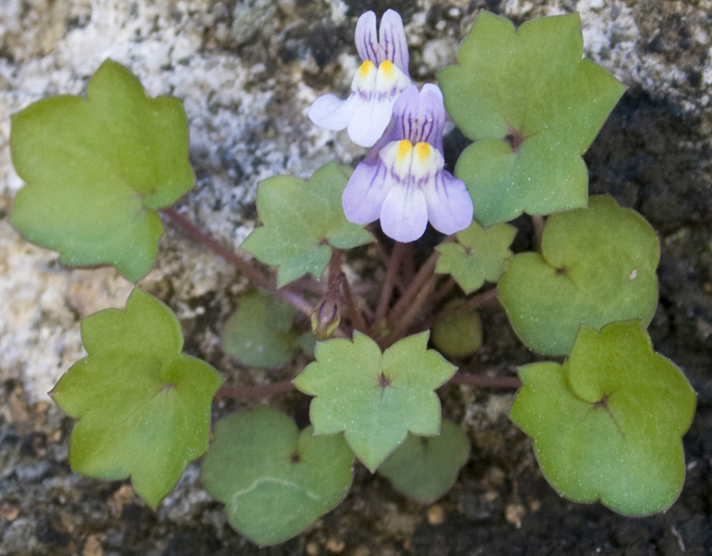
point(274, 480)
point(143, 408)
point(597, 266)
point(479, 255)
point(424, 469)
point(96, 171)
point(533, 106)
point(302, 222)
point(374, 397)
point(260, 332)
point(459, 333)
point(607, 423)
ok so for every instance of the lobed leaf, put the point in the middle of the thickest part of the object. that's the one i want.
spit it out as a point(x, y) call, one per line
point(375, 398)
point(96, 171)
point(597, 266)
point(302, 222)
point(533, 106)
point(260, 333)
point(423, 468)
point(477, 256)
point(274, 480)
point(143, 408)
point(607, 423)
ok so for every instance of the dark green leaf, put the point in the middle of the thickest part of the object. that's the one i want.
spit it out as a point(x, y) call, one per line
point(425, 468)
point(260, 332)
point(274, 480)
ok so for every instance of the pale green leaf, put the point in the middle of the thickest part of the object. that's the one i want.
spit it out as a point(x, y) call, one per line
point(375, 398)
point(96, 171)
point(143, 408)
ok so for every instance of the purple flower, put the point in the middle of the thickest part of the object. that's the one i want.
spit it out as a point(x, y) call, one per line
point(383, 75)
point(406, 185)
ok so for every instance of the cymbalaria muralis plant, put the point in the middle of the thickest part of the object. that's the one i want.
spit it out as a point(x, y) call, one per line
point(606, 420)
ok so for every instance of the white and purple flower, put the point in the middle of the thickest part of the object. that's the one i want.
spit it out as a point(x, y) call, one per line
point(406, 184)
point(383, 75)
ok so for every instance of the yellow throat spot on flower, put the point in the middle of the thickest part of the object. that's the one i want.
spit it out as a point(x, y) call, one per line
point(404, 148)
point(422, 151)
point(387, 68)
point(366, 68)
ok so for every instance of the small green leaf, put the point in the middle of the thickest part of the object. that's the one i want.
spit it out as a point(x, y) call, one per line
point(479, 255)
point(260, 332)
point(143, 408)
point(96, 171)
point(274, 480)
point(302, 221)
point(597, 266)
point(607, 423)
point(424, 469)
point(374, 397)
point(459, 333)
point(533, 106)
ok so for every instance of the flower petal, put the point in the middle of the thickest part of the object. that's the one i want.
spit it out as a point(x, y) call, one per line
point(392, 40)
point(430, 117)
point(365, 192)
point(404, 215)
point(370, 120)
point(366, 39)
point(404, 112)
point(449, 203)
point(330, 112)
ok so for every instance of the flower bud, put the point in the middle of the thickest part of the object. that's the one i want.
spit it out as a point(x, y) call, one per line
point(325, 319)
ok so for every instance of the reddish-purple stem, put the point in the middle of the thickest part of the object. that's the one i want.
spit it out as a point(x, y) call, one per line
point(255, 275)
point(230, 391)
point(425, 272)
point(402, 324)
point(483, 381)
point(351, 306)
point(469, 305)
point(399, 249)
point(443, 290)
point(408, 264)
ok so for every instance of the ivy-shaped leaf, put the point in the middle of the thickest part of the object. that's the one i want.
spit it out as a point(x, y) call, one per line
point(597, 266)
point(607, 423)
point(302, 221)
point(425, 468)
point(477, 256)
point(260, 333)
point(274, 480)
point(375, 398)
point(143, 408)
point(96, 171)
point(533, 106)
